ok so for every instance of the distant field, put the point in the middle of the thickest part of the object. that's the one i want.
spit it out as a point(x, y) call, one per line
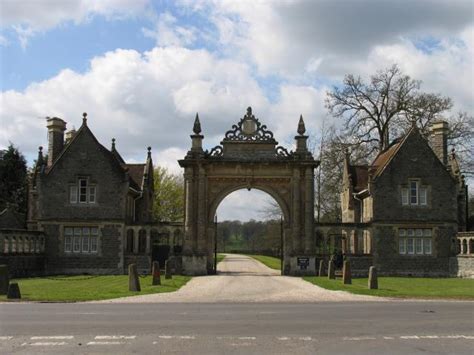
point(270, 261)
point(404, 287)
point(87, 288)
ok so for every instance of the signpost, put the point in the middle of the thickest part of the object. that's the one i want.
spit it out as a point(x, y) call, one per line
point(302, 262)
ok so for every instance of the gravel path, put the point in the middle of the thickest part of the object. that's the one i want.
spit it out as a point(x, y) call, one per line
point(244, 279)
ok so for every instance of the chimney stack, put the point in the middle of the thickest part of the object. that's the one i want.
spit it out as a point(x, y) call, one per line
point(56, 128)
point(439, 140)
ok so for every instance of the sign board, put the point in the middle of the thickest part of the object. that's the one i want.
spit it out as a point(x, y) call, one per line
point(302, 262)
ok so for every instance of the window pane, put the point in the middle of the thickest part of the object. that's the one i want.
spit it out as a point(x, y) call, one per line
point(427, 232)
point(410, 232)
point(404, 196)
point(94, 231)
point(410, 247)
point(93, 244)
point(91, 194)
point(73, 194)
point(427, 246)
point(402, 232)
point(77, 231)
point(85, 244)
point(419, 245)
point(85, 231)
point(68, 231)
point(422, 195)
point(77, 244)
point(402, 246)
point(68, 244)
point(413, 193)
point(82, 182)
point(418, 232)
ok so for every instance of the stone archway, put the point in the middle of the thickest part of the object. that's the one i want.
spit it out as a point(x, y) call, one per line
point(249, 157)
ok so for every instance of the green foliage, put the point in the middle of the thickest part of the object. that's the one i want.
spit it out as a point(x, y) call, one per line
point(169, 196)
point(13, 179)
point(220, 257)
point(83, 288)
point(270, 261)
point(404, 287)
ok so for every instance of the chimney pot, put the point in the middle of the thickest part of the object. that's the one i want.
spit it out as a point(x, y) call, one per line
point(56, 128)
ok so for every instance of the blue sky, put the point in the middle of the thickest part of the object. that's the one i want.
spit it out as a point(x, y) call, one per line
point(142, 68)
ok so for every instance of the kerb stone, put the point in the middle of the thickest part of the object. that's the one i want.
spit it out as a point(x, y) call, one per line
point(133, 281)
point(373, 279)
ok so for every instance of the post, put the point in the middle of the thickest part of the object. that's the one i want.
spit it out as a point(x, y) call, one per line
point(373, 279)
point(4, 279)
point(331, 271)
point(215, 244)
point(346, 273)
point(156, 273)
point(133, 281)
point(168, 275)
point(281, 244)
point(321, 268)
point(14, 291)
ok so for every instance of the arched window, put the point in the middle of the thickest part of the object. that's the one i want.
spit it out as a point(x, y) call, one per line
point(142, 241)
point(130, 238)
point(464, 246)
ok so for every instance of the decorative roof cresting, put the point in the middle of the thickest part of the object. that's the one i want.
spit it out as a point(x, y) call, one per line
point(249, 128)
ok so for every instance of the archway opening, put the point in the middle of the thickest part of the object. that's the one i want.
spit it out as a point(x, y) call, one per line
point(250, 223)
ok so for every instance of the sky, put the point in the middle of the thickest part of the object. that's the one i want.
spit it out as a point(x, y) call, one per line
point(141, 69)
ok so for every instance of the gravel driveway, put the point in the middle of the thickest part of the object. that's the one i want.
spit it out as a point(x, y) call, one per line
point(243, 279)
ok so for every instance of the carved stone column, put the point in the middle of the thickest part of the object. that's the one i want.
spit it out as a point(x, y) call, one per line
point(296, 212)
point(189, 235)
point(201, 213)
point(309, 211)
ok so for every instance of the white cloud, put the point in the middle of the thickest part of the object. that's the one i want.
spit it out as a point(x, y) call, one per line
point(168, 33)
point(27, 18)
point(236, 206)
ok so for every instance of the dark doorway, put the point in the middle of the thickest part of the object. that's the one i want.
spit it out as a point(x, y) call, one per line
point(160, 253)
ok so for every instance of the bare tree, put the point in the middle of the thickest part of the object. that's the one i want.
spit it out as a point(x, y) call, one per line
point(372, 110)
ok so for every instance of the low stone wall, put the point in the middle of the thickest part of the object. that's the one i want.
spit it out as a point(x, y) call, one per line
point(24, 265)
point(360, 264)
point(462, 266)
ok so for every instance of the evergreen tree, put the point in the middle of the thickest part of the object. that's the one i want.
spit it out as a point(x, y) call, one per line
point(13, 179)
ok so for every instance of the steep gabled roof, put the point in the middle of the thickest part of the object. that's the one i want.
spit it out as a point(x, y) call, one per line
point(359, 175)
point(136, 172)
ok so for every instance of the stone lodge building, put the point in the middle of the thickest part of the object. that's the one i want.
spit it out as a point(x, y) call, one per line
point(93, 208)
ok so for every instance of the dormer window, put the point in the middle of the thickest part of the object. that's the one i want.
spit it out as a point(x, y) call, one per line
point(414, 194)
point(82, 192)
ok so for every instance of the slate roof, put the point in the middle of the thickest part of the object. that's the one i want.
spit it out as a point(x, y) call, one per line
point(359, 177)
point(136, 172)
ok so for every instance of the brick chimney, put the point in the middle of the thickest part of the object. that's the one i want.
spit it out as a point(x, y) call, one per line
point(439, 140)
point(56, 128)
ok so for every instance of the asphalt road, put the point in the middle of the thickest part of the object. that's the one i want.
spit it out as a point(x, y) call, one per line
point(351, 326)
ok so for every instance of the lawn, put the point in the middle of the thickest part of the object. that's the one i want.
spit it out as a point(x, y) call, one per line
point(270, 261)
point(220, 257)
point(404, 287)
point(88, 288)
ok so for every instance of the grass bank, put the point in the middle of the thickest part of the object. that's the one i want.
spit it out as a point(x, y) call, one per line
point(270, 261)
point(220, 257)
point(404, 287)
point(89, 288)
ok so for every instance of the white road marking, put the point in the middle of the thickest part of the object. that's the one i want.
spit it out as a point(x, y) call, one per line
point(283, 338)
point(114, 337)
point(429, 336)
point(305, 338)
point(192, 337)
point(48, 343)
point(247, 338)
point(6, 337)
point(388, 338)
point(165, 336)
point(410, 337)
point(358, 338)
point(240, 344)
point(53, 337)
point(105, 343)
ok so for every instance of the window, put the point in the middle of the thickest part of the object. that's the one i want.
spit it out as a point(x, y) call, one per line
point(414, 241)
point(82, 192)
point(414, 194)
point(82, 240)
point(130, 238)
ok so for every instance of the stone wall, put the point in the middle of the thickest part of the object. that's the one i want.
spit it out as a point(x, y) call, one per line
point(107, 260)
point(462, 266)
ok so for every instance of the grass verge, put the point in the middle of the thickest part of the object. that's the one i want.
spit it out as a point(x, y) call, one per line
point(220, 257)
point(404, 287)
point(86, 288)
point(270, 261)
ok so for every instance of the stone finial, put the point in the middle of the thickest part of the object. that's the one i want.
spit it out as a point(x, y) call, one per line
point(197, 125)
point(84, 118)
point(113, 144)
point(301, 126)
point(249, 111)
point(149, 152)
